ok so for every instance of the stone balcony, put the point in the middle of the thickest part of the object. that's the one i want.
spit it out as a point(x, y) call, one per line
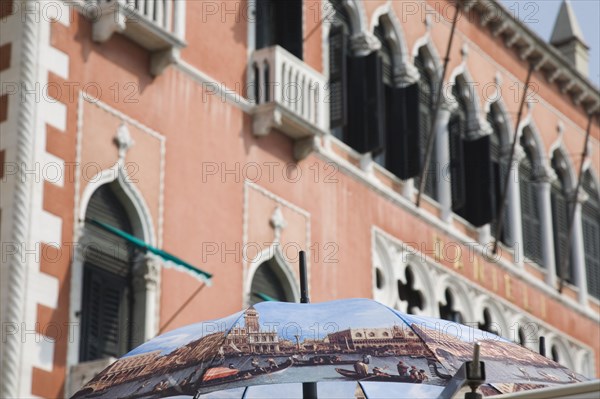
point(157, 25)
point(289, 95)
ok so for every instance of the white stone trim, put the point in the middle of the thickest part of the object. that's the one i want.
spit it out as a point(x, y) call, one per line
point(142, 220)
point(471, 300)
point(249, 266)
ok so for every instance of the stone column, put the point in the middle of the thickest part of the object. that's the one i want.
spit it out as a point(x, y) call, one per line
point(146, 277)
point(577, 248)
point(513, 210)
point(442, 148)
point(543, 190)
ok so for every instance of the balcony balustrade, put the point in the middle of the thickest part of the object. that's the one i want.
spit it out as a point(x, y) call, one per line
point(290, 96)
point(157, 25)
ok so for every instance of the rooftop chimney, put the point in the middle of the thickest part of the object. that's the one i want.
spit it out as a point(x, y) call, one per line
point(568, 39)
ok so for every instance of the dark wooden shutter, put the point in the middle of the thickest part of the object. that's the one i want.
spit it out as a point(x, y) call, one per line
point(365, 129)
point(478, 183)
point(106, 302)
point(426, 113)
point(337, 76)
point(457, 167)
point(560, 221)
point(402, 131)
point(591, 235)
point(530, 214)
point(105, 315)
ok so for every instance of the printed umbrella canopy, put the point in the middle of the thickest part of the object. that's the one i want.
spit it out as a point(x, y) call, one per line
point(352, 348)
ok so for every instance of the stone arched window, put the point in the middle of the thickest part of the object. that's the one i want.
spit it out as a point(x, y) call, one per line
point(425, 66)
point(591, 234)
point(109, 312)
point(530, 209)
point(499, 169)
point(269, 282)
point(457, 129)
point(339, 35)
point(561, 218)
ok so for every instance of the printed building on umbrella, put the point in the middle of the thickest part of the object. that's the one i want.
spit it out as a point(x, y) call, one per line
point(251, 338)
point(140, 138)
point(403, 339)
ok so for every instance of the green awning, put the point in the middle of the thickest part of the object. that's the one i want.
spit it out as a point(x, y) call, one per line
point(149, 248)
point(265, 297)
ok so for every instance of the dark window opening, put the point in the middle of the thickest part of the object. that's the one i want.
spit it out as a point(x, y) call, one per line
point(269, 280)
point(488, 325)
point(447, 311)
point(408, 293)
point(554, 354)
point(279, 23)
point(378, 278)
point(522, 337)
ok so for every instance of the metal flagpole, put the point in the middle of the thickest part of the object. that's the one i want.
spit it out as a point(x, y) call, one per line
point(438, 102)
point(500, 214)
point(564, 261)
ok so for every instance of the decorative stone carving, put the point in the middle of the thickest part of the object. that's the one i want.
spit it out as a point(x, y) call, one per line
point(364, 43)
point(123, 141)
point(146, 272)
point(278, 223)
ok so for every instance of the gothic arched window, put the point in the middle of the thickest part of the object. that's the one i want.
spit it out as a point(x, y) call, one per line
point(591, 234)
point(499, 169)
point(457, 128)
point(338, 52)
point(426, 109)
point(108, 294)
point(530, 210)
point(270, 283)
point(561, 219)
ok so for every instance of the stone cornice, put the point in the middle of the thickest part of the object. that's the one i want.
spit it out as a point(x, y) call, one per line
point(533, 49)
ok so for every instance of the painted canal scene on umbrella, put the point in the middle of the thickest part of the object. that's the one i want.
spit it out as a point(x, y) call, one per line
point(349, 340)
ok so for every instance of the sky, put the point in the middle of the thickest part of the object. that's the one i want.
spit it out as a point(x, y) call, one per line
point(540, 15)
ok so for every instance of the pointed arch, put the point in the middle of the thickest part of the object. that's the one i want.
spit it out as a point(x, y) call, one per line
point(131, 197)
point(424, 277)
point(531, 141)
point(279, 268)
point(385, 16)
point(461, 82)
point(425, 46)
point(497, 312)
point(561, 163)
point(384, 278)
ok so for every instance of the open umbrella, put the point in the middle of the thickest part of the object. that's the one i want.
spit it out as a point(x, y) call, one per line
point(359, 342)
